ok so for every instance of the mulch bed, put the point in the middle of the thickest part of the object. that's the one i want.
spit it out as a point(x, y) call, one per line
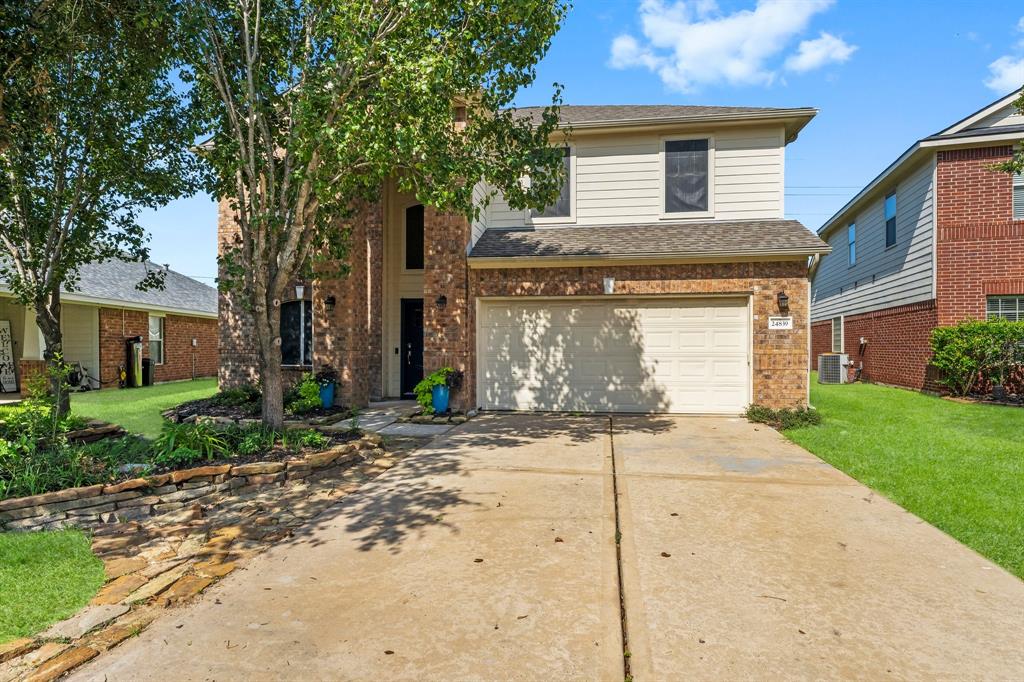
point(208, 407)
point(1012, 400)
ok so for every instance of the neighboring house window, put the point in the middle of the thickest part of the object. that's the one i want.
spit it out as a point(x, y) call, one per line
point(851, 241)
point(1018, 197)
point(890, 220)
point(1006, 308)
point(156, 339)
point(837, 334)
point(562, 208)
point(297, 333)
point(687, 177)
point(414, 237)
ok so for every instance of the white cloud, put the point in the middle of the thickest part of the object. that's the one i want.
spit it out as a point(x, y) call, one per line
point(1007, 73)
point(814, 54)
point(692, 43)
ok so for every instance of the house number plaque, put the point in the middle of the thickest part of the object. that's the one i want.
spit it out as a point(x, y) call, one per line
point(780, 323)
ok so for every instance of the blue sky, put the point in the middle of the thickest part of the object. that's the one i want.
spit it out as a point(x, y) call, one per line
point(881, 74)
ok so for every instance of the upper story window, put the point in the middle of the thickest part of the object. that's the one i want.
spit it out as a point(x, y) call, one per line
point(414, 237)
point(1005, 308)
point(851, 241)
point(562, 208)
point(1018, 197)
point(687, 179)
point(890, 220)
point(156, 339)
point(297, 333)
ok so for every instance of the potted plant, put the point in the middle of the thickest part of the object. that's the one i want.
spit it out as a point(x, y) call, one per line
point(434, 392)
point(327, 378)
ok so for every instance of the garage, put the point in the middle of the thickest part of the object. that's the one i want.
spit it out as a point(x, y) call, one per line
point(670, 355)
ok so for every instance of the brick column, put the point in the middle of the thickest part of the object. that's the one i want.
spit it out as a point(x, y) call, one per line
point(448, 332)
point(237, 355)
point(348, 338)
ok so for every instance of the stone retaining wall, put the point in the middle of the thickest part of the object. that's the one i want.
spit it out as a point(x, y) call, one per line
point(173, 492)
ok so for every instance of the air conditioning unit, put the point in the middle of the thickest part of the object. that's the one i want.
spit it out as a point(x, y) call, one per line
point(832, 368)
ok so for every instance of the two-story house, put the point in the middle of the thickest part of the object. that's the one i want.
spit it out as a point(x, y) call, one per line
point(664, 279)
point(936, 238)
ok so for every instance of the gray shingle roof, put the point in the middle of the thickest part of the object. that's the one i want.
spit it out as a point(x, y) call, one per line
point(683, 240)
point(978, 132)
point(116, 281)
point(581, 114)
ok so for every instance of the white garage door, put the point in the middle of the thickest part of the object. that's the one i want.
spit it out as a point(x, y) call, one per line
point(622, 355)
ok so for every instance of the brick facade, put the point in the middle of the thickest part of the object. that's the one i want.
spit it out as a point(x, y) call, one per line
point(182, 360)
point(980, 248)
point(979, 252)
point(349, 337)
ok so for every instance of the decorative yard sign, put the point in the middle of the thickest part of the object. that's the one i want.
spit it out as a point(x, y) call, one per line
point(780, 323)
point(8, 383)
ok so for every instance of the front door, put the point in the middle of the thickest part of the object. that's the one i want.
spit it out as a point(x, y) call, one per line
point(411, 349)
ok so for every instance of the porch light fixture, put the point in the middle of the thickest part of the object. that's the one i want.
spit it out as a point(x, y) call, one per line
point(783, 301)
point(441, 302)
point(330, 302)
point(300, 291)
point(609, 285)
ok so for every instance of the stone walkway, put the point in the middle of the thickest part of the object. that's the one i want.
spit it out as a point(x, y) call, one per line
point(164, 561)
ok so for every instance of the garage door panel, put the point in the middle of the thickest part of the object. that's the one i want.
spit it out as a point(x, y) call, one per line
point(633, 355)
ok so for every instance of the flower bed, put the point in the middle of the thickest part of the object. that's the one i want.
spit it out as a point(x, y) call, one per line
point(145, 496)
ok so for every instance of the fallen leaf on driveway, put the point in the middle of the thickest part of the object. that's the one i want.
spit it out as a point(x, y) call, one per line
point(665, 554)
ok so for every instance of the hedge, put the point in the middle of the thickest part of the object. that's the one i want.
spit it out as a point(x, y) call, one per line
point(978, 354)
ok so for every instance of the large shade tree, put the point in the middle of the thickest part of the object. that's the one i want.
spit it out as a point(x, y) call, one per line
point(92, 131)
point(314, 104)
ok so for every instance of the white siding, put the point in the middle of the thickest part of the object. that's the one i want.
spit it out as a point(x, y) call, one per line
point(618, 179)
point(883, 277)
point(81, 330)
point(1007, 116)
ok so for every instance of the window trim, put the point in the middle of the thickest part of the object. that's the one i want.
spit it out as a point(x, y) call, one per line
point(302, 334)
point(842, 334)
point(851, 244)
point(404, 255)
point(162, 340)
point(561, 220)
point(895, 212)
point(686, 215)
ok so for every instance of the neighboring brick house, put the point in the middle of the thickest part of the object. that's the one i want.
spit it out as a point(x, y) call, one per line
point(177, 325)
point(937, 238)
point(647, 287)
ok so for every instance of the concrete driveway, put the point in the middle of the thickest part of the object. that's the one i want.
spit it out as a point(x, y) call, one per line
point(492, 555)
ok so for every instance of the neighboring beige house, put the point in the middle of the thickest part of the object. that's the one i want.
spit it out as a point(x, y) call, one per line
point(648, 287)
point(177, 325)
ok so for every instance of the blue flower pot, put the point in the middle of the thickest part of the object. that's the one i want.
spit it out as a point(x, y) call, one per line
point(327, 395)
point(439, 398)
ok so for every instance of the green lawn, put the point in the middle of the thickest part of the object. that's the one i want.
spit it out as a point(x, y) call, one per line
point(958, 466)
point(138, 409)
point(44, 578)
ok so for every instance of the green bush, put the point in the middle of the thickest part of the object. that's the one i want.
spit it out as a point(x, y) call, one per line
point(304, 396)
point(785, 418)
point(237, 397)
point(202, 437)
point(976, 351)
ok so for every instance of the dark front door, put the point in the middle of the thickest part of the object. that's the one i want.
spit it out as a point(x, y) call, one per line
point(411, 350)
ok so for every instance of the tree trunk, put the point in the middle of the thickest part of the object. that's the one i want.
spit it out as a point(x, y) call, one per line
point(48, 320)
point(268, 332)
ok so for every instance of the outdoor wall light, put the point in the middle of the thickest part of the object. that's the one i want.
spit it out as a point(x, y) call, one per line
point(441, 302)
point(300, 291)
point(783, 301)
point(330, 302)
point(609, 285)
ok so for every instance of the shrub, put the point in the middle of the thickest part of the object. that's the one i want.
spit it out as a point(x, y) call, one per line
point(976, 352)
point(303, 396)
point(237, 397)
point(311, 438)
point(202, 437)
point(785, 418)
point(254, 440)
point(446, 376)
